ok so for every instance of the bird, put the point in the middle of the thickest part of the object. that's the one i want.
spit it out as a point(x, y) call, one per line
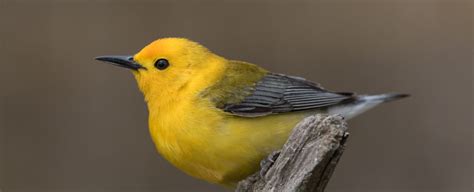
point(216, 118)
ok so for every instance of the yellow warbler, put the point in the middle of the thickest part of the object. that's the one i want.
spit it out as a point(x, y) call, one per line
point(215, 118)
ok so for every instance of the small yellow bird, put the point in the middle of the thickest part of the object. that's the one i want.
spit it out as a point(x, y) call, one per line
point(215, 118)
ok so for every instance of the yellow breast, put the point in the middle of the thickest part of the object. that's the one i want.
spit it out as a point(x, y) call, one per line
point(211, 145)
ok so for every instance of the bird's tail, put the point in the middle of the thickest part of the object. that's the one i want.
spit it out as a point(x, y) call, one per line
point(362, 103)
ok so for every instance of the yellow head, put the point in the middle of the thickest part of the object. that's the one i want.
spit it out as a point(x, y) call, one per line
point(168, 65)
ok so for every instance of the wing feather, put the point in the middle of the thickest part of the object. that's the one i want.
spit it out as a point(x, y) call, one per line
point(277, 93)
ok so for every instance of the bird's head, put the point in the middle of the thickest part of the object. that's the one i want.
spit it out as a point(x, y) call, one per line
point(167, 64)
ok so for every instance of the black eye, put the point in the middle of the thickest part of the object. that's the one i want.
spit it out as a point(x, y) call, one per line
point(161, 64)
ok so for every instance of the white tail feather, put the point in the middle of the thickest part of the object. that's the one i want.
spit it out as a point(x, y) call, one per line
point(363, 103)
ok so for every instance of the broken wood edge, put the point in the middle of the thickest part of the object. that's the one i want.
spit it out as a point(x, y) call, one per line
point(306, 161)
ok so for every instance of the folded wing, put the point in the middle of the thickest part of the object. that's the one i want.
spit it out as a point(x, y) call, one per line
point(277, 93)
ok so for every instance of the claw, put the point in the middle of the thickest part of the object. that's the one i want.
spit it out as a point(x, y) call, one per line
point(266, 163)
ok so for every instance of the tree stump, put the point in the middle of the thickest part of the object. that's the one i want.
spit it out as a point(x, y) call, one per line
point(306, 161)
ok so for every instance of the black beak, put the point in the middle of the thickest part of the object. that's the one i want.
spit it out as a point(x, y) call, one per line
point(121, 61)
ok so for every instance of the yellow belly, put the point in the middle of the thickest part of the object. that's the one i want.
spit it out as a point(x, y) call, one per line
point(217, 147)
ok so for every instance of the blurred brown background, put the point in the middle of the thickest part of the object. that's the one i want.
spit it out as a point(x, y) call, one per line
point(69, 123)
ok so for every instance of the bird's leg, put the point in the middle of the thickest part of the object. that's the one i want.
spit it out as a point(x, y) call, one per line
point(266, 163)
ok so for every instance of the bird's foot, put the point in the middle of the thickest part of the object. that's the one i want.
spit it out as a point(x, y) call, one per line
point(266, 163)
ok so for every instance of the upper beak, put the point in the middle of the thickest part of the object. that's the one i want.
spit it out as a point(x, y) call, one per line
point(121, 61)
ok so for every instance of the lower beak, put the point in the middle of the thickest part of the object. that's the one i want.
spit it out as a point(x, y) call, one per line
point(121, 61)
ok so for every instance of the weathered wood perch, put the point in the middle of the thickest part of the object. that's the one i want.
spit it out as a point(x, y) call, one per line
point(307, 160)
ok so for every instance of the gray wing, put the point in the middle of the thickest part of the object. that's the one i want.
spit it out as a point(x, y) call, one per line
point(277, 93)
